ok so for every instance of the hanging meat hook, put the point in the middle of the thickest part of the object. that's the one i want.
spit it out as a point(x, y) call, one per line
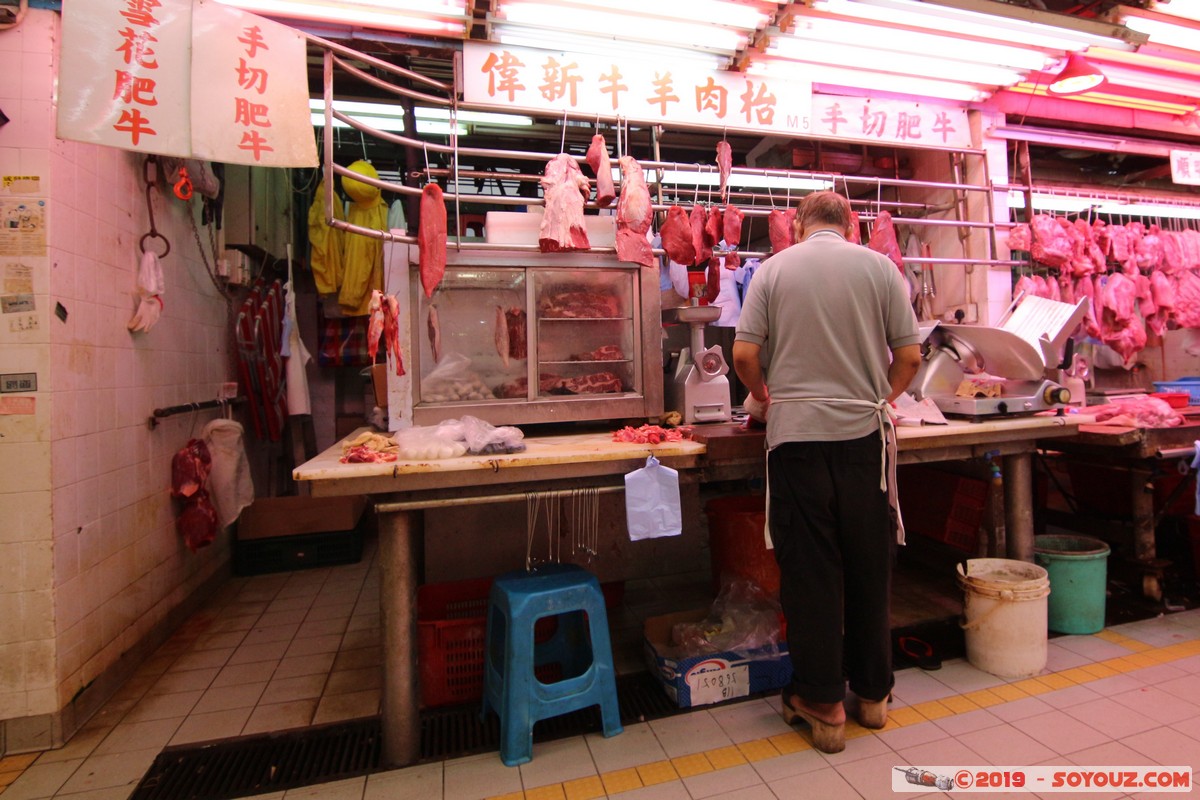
point(149, 167)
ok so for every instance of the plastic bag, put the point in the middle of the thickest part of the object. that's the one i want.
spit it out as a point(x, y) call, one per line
point(652, 501)
point(453, 379)
point(423, 444)
point(481, 437)
point(744, 619)
point(230, 482)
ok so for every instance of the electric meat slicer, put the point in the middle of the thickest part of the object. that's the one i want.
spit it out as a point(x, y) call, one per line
point(978, 371)
point(698, 388)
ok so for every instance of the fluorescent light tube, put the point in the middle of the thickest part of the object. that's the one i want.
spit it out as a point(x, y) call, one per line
point(868, 79)
point(699, 35)
point(925, 66)
point(555, 41)
point(345, 14)
point(713, 12)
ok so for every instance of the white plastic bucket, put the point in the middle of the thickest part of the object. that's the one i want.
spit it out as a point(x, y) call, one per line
point(1004, 615)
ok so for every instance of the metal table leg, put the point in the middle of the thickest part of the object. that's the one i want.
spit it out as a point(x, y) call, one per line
point(1141, 487)
point(400, 540)
point(1018, 505)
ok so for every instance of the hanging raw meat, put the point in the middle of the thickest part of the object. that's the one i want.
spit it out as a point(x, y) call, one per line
point(597, 158)
point(431, 238)
point(731, 230)
point(374, 324)
point(1121, 249)
point(1145, 297)
point(197, 520)
point(1019, 237)
point(501, 335)
point(633, 215)
point(565, 190)
point(1149, 250)
point(1066, 289)
point(1172, 252)
point(1187, 299)
point(700, 241)
point(712, 286)
point(1136, 231)
point(1085, 288)
point(883, 239)
point(780, 229)
point(676, 236)
point(391, 330)
point(724, 166)
point(1162, 290)
point(1102, 236)
point(518, 340)
point(855, 228)
point(714, 226)
point(1051, 244)
point(189, 468)
point(434, 326)
point(1120, 326)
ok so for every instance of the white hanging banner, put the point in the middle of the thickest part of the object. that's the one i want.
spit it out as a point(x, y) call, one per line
point(250, 94)
point(1185, 167)
point(543, 80)
point(123, 79)
point(902, 122)
point(187, 79)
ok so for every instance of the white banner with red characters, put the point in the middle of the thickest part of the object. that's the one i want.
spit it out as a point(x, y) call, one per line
point(183, 78)
point(529, 79)
point(123, 80)
point(1185, 167)
point(250, 90)
point(914, 123)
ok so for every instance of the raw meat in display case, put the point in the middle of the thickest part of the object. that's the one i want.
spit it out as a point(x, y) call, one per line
point(528, 337)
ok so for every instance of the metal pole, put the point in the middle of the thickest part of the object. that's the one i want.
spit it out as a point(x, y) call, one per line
point(487, 499)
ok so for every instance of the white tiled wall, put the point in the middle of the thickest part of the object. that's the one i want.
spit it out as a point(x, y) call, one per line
point(93, 560)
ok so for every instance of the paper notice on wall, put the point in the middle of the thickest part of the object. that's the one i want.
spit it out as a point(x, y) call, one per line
point(18, 279)
point(16, 303)
point(20, 184)
point(25, 323)
point(18, 405)
point(22, 227)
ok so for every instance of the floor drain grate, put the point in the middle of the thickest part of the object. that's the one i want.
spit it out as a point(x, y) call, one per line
point(252, 765)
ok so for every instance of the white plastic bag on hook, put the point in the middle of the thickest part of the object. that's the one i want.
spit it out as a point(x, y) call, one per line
point(150, 286)
point(652, 507)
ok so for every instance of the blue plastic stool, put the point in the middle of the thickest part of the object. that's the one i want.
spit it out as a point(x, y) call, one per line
point(511, 688)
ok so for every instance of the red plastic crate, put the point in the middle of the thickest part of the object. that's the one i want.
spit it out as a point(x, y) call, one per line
point(942, 505)
point(451, 631)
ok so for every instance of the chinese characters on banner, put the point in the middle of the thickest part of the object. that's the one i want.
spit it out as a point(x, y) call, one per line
point(250, 96)
point(902, 122)
point(123, 81)
point(1185, 167)
point(171, 77)
point(546, 80)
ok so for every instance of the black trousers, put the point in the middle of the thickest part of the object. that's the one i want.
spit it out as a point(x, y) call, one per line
point(835, 545)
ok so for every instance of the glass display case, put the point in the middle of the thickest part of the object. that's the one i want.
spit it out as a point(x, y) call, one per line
point(517, 338)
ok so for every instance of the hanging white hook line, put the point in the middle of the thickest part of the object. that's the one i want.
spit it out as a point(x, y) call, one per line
point(562, 145)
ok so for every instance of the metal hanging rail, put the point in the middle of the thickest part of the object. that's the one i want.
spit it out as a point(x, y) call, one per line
point(487, 499)
point(170, 411)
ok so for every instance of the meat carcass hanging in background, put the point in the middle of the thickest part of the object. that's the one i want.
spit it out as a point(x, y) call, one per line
point(565, 190)
point(700, 238)
point(724, 166)
point(781, 229)
point(633, 215)
point(883, 239)
point(731, 231)
point(197, 520)
point(385, 322)
point(676, 234)
point(431, 238)
point(598, 159)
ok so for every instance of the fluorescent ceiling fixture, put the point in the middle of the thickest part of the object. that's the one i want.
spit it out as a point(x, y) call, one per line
point(393, 124)
point(1051, 202)
point(867, 79)
point(684, 177)
point(697, 34)
point(1188, 9)
point(522, 36)
point(1145, 60)
point(436, 17)
point(969, 23)
point(807, 29)
point(1162, 30)
point(1109, 99)
point(713, 12)
point(374, 112)
point(926, 66)
point(1149, 210)
point(1153, 81)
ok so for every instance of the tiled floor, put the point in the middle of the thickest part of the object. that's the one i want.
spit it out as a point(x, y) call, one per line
point(280, 651)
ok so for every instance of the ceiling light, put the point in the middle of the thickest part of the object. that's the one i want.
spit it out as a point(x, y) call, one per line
point(868, 79)
point(1110, 99)
point(713, 12)
point(1136, 209)
point(1179, 8)
point(698, 34)
point(1051, 202)
point(445, 17)
point(890, 61)
point(531, 36)
point(823, 28)
point(1162, 30)
point(683, 177)
point(991, 22)
point(1078, 75)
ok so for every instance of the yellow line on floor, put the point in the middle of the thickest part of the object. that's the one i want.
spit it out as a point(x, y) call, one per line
point(1141, 655)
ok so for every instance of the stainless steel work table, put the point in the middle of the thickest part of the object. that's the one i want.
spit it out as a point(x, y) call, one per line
point(403, 490)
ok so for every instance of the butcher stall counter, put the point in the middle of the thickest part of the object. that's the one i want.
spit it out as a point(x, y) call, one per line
point(402, 490)
point(1141, 453)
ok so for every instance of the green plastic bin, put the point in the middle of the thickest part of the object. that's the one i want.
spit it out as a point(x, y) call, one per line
point(1078, 570)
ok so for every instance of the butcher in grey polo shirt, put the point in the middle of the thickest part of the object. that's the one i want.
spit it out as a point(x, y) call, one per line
point(828, 325)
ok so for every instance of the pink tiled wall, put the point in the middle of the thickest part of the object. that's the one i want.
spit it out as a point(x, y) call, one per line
point(94, 563)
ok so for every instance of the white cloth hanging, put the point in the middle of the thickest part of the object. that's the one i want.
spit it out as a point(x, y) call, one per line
point(229, 483)
point(292, 347)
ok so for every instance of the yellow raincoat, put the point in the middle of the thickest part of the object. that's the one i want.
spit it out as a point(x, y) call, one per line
point(326, 242)
point(362, 256)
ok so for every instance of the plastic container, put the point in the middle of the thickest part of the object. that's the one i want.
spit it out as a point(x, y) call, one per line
point(737, 544)
point(1174, 399)
point(1004, 615)
point(1078, 570)
point(1190, 385)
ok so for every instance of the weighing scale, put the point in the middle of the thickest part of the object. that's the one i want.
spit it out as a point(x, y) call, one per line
point(698, 388)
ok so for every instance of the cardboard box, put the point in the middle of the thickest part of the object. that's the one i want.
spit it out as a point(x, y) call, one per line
point(700, 680)
point(269, 517)
point(379, 384)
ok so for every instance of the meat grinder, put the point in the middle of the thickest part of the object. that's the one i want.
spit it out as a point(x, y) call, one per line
point(698, 388)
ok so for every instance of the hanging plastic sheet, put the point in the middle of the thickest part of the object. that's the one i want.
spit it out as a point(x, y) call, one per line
point(652, 507)
point(229, 481)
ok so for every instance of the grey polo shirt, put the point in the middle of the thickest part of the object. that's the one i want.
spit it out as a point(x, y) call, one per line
point(827, 314)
